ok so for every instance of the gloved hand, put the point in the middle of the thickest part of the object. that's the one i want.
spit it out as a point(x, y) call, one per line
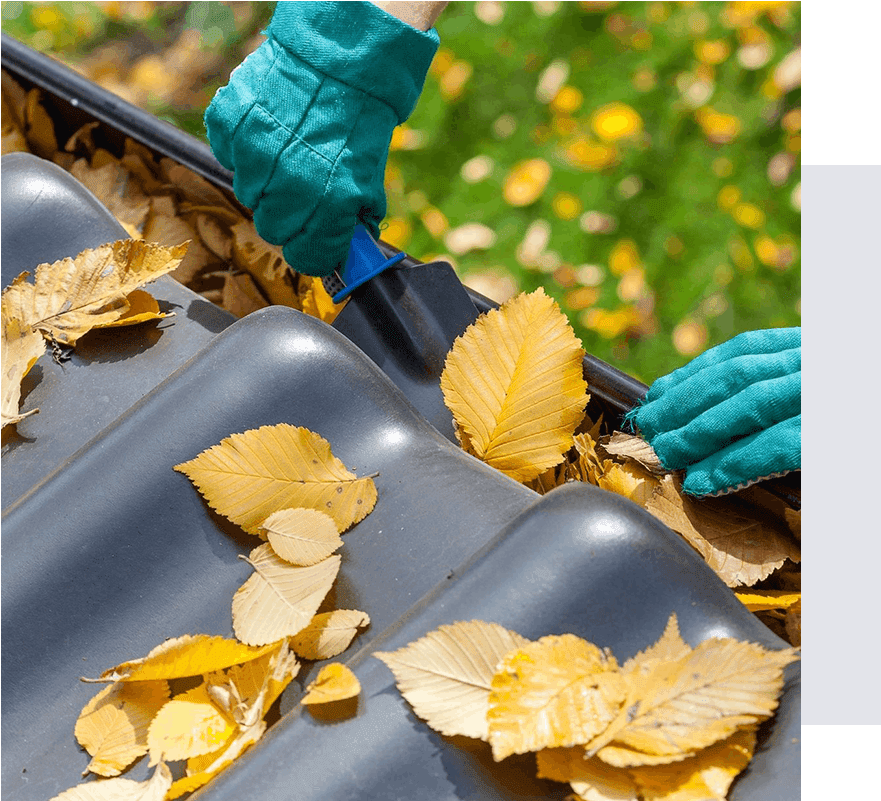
point(731, 416)
point(306, 120)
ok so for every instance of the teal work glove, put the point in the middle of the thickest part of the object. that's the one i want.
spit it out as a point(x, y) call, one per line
point(730, 417)
point(306, 120)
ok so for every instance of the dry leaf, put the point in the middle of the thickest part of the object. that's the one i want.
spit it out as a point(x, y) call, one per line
point(164, 227)
point(70, 297)
point(266, 264)
point(707, 776)
point(279, 599)
point(335, 682)
point(261, 680)
point(190, 655)
point(39, 128)
point(142, 306)
point(513, 382)
point(249, 476)
point(301, 536)
point(113, 726)
point(329, 634)
point(22, 346)
point(628, 446)
point(740, 550)
point(591, 779)
point(116, 188)
point(589, 467)
point(670, 648)
point(675, 708)
point(154, 789)
point(763, 600)
point(556, 692)
point(447, 675)
point(629, 480)
point(316, 302)
point(189, 725)
point(241, 295)
point(792, 621)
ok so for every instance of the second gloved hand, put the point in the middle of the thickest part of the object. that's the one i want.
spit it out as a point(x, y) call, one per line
point(306, 120)
point(732, 415)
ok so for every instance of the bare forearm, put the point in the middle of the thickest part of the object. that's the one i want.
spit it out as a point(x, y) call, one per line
point(421, 15)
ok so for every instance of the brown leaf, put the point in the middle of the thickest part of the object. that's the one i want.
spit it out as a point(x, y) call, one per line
point(21, 347)
point(116, 188)
point(241, 296)
point(266, 264)
point(634, 448)
point(741, 550)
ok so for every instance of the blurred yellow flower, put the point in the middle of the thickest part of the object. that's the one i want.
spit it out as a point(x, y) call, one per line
point(566, 205)
point(728, 197)
point(723, 167)
point(397, 232)
point(47, 18)
point(564, 275)
point(435, 221)
point(442, 61)
point(581, 298)
point(644, 79)
point(741, 254)
point(526, 182)
point(641, 40)
point(690, 337)
point(793, 143)
point(712, 52)
point(610, 324)
point(564, 125)
point(770, 89)
point(791, 121)
point(406, 138)
point(567, 100)
point(718, 128)
point(631, 285)
point(615, 121)
point(748, 215)
point(766, 250)
point(588, 155)
point(394, 178)
point(452, 82)
point(624, 257)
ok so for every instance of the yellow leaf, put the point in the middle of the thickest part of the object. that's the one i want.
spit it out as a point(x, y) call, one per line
point(189, 725)
point(165, 227)
point(629, 447)
point(589, 467)
point(447, 675)
point(556, 692)
point(526, 182)
point(669, 648)
point(190, 655)
point(113, 726)
point(706, 776)
point(591, 779)
point(674, 708)
point(40, 128)
point(329, 634)
point(266, 264)
point(279, 599)
point(514, 383)
point(740, 549)
point(236, 746)
point(301, 536)
point(317, 303)
point(249, 476)
point(255, 685)
point(335, 682)
point(116, 188)
point(241, 295)
point(763, 600)
point(630, 481)
point(142, 306)
point(153, 789)
point(22, 346)
point(72, 296)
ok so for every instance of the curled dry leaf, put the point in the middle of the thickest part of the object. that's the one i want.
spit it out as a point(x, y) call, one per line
point(22, 346)
point(634, 448)
point(247, 477)
point(142, 306)
point(329, 634)
point(514, 384)
point(153, 789)
point(189, 655)
point(446, 676)
point(558, 691)
point(113, 726)
point(70, 297)
point(764, 600)
point(301, 536)
point(335, 682)
point(189, 725)
point(740, 550)
point(590, 779)
point(279, 599)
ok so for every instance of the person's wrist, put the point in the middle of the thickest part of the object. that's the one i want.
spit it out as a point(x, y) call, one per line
point(420, 15)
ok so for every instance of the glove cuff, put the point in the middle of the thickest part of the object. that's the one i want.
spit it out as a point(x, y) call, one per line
point(361, 45)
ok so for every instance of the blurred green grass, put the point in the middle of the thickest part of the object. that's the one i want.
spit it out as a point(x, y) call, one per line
point(667, 225)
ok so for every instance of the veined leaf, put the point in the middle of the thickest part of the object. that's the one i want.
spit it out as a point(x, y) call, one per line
point(513, 382)
point(637, 449)
point(249, 476)
point(279, 599)
point(113, 726)
point(556, 692)
point(142, 306)
point(70, 297)
point(261, 680)
point(190, 724)
point(22, 346)
point(670, 648)
point(447, 675)
point(190, 655)
point(153, 789)
point(335, 682)
point(329, 634)
point(301, 536)
point(591, 779)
